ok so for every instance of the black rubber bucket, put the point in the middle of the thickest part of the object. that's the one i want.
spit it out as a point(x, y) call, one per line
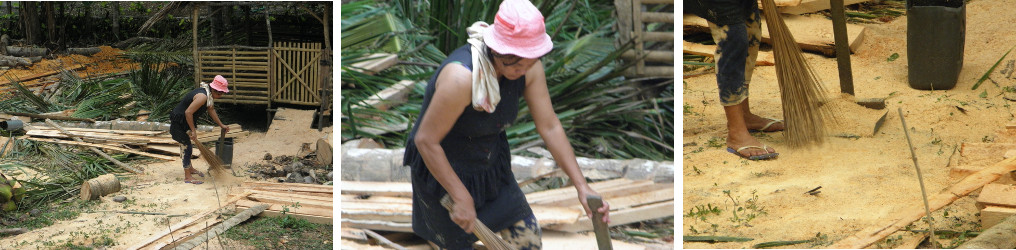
point(224, 149)
point(935, 38)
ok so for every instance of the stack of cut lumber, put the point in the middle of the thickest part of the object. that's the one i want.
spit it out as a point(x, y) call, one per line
point(305, 201)
point(387, 205)
point(997, 202)
point(154, 144)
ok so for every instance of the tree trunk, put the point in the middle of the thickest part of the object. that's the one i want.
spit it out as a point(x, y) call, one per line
point(1000, 236)
point(87, 25)
point(247, 24)
point(50, 23)
point(116, 19)
point(30, 21)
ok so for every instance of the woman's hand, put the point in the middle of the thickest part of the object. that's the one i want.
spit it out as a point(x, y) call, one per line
point(605, 209)
point(193, 136)
point(224, 128)
point(464, 214)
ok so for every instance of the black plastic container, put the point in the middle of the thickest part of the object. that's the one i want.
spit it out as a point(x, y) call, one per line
point(224, 149)
point(935, 37)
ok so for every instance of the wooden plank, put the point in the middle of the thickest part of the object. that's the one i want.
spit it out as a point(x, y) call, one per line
point(391, 96)
point(765, 58)
point(809, 6)
point(366, 215)
point(622, 217)
point(570, 193)
point(103, 146)
point(551, 215)
point(916, 210)
point(606, 193)
point(290, 201)
point(811, 33)
point(376, 63)
point(295, 195)
point(992, 215)
point(961, 171)
point(376, 199)
point(632, 200)
point(981, 153)
point(377, 225)
point(316, 211)
point(277, 213)
point(188, 221)
point(184, 234)
point(997, 195)
point(397, 189)
point(296, 187)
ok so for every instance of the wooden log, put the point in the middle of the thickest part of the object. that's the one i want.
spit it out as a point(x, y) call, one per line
point(84, 51)
point(26, 51)
point(811, 33)
point(237, 219)
point(100, 186)
point(13, 231)
point(1000, 236)
point(94, 149)
point(13, 61)
point(765, 58)
point(915, 211)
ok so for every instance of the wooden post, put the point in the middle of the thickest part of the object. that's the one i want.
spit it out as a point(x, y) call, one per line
point(842, 48)
point(197, 58)
point(97, 151)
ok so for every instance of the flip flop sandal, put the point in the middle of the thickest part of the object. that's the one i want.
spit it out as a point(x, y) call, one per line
point(754, 157)
point(199, 173)
point(766, 127)
point(195, 182)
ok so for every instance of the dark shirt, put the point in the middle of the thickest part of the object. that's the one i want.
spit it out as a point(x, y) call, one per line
point(722, 12)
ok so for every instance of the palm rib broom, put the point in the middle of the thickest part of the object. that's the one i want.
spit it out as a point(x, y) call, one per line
point(214, 162)
point(800, 89)
point(481, 231)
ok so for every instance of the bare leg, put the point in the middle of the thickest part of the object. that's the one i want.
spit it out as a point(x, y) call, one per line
point(737, 131)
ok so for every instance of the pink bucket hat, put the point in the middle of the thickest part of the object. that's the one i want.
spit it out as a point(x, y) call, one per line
point(518, 29)
point(219, 83)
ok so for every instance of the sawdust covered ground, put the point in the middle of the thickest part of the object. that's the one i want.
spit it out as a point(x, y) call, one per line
point(865, 177)
point(162, 190)
point(108, 61)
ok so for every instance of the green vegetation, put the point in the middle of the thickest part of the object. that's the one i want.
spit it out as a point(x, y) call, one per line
point(282, 233)
point(605, 115)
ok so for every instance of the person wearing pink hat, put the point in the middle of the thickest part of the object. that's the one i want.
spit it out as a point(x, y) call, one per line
point(182, 128)
point(458, 146)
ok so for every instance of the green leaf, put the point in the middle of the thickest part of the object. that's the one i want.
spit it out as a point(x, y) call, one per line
point(893, 57)
point(986, 74)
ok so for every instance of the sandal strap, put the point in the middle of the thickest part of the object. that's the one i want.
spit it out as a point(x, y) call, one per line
point(763, 147)
point(771, 122)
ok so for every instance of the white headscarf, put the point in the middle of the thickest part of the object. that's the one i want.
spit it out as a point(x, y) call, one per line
point(208, 92)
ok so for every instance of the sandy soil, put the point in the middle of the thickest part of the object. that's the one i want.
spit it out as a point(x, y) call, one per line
point(162, 190)
point(864, 178)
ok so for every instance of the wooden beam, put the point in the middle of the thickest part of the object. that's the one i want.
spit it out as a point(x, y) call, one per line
point(916, 210)
point(225, 225)
point(622, 217)
point(992, 215)
point(765, 58)
point(997, 195)
point(397, 189)
point(103, 146)
point(811, 33)
point(375, 63)
point(94, 149)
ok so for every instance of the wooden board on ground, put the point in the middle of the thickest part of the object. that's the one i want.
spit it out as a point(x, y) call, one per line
point(290, 201)
point(997, 195)
point(305, 189)
point(396, 189)
point(809, 6)
point(983, 153)
point(811, 33)
point(187, 222)
point(608, 193)
point(992, 215)
point(570, 193)
point(566, 240)
point(102, 146)
point(315, 211)
point(962, 171)
point(377, 225)
point(621, 217)
point(765, 58)
point(278, 213)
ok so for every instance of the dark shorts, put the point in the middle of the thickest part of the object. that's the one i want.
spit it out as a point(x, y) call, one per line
point(736, 51)
point(178, 129)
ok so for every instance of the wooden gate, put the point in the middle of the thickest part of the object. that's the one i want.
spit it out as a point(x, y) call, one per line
point(653, 32)
point(245, 68)
point(295, 73)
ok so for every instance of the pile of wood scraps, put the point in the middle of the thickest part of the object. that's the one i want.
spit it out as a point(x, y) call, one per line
point(154, 144)
point(387, 205)
point(305, 201)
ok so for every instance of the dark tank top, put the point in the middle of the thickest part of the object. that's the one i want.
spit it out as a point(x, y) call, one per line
point(477, 149)
point(181, 108)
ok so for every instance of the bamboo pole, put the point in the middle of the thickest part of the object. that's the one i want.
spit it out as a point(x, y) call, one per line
point(97, 151)
point(197, 57)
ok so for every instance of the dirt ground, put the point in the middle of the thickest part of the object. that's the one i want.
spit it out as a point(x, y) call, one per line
point(162, 190)
point(865, 177)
